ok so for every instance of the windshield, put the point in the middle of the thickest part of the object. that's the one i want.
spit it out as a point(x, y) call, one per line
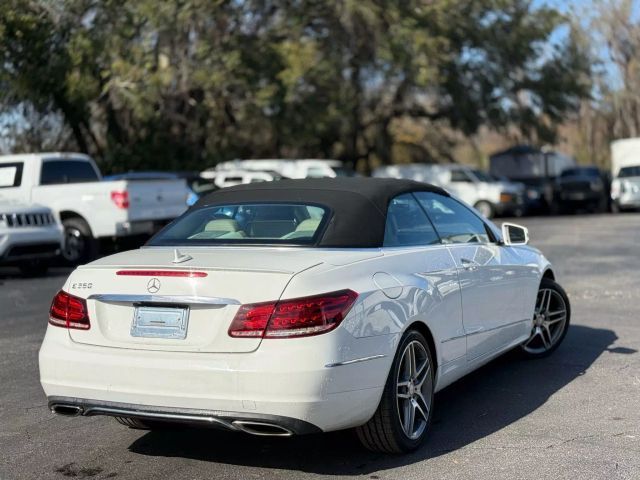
point(247, 223)
point(629, 172)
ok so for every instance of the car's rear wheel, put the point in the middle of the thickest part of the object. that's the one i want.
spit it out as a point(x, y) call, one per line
point(402, 420)
point(79, 245)
point(550, 320)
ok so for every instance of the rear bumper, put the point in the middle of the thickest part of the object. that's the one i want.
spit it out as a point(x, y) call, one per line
point(256, 424)
point(284, 379)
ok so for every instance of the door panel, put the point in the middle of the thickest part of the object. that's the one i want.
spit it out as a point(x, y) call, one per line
point(492, 278)
point(492, 297)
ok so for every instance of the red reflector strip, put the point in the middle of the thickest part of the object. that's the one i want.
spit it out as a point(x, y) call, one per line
point(161, 273)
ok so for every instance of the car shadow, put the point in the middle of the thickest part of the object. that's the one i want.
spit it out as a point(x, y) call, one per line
point(482, 403)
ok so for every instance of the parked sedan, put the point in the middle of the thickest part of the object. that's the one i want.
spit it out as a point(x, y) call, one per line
point(301, 306)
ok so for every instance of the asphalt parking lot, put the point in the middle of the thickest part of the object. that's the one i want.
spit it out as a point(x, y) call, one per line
point(574, 415)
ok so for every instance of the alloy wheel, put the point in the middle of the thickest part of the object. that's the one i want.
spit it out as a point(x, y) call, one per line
point(414, 387)
point(549, 322)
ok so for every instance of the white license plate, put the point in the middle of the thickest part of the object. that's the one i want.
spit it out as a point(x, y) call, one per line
point(160, 322)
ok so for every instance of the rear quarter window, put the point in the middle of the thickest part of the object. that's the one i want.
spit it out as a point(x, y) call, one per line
point(55, 172)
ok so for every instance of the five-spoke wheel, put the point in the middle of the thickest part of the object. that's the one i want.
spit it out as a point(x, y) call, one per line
point(402, 419)
point(414, 387)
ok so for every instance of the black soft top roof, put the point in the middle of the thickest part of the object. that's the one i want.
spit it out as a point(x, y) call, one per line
point(358, 205)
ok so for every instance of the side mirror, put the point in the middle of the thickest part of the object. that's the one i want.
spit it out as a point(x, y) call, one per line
point(513, 234)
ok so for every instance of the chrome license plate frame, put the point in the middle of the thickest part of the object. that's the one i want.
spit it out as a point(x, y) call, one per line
point(160, 322)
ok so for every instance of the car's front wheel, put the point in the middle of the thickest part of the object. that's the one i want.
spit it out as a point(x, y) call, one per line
point(550, 320)
point(403, 417)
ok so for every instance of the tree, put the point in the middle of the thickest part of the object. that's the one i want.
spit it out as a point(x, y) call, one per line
point(185, 83)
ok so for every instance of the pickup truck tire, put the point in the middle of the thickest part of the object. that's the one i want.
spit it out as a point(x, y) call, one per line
point(485, 208)
point(79, 245)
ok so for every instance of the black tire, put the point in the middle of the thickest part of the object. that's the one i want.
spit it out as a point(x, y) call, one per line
point(485, 208)
point(34, 268)
point(79, 245)
point(384, 431)
point(556, 338)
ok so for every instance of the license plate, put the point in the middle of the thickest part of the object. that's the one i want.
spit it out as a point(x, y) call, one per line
point(160, 322)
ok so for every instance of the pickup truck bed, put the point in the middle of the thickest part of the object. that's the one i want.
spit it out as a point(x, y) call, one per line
point(88, 207)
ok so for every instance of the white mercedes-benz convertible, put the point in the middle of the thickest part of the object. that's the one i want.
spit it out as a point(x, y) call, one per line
point(300, 306)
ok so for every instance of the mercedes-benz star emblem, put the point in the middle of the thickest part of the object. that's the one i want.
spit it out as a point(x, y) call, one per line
point(153, 286)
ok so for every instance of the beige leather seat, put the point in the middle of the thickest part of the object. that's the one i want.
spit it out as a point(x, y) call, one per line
point(220, 228)
point(222, 225)
point(306, 228)
point(308, 225)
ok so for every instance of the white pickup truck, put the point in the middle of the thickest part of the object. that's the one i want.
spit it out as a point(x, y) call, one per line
point(89, 208)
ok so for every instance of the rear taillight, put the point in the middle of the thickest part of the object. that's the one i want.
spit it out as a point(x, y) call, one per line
point(298, 317)
point(69, 312)
point(121, 199)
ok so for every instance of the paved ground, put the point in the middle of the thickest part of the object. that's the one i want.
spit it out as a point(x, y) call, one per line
point(575, 415)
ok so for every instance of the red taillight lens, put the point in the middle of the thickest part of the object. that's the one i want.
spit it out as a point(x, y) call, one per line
point(251, 320)
point(69, 312)
point(299, 317)
point(121, 199)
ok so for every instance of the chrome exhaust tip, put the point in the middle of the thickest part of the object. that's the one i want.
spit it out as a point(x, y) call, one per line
point(67, 410)
point(261, 428)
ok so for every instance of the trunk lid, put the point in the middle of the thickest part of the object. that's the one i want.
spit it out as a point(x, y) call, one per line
point(229, 278)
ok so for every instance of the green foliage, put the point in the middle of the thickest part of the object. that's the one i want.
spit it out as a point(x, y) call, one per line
point(182, 84)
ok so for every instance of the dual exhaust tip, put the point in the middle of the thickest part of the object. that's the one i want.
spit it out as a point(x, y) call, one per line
point(246, 426)
point(67, 410)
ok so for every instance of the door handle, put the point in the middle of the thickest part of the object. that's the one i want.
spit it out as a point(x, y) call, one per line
point(469, 264)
